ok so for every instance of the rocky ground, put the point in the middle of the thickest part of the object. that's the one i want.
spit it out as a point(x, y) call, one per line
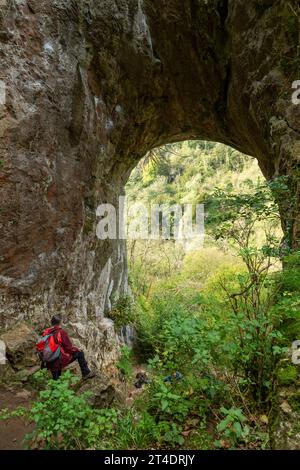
point(17, 389)
point(13, 431)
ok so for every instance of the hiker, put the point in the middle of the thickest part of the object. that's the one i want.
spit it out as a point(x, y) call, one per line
point(56, 351)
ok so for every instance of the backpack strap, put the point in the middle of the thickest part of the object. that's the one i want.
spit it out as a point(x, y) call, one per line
point(52, 333)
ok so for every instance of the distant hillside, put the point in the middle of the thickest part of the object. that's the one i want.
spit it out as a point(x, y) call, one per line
point(188, 172)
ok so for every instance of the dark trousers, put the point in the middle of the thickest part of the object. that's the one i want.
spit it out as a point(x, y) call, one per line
point(77, 356)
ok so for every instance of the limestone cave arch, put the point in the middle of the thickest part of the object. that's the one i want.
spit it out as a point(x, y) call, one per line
point(88, 87)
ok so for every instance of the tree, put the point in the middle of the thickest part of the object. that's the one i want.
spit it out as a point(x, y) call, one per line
point(252, 295)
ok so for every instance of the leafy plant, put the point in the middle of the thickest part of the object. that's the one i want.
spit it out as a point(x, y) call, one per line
point(123, 312)
point(168, 403)
point(64, 420)
point(233, 427)
point(125, 362)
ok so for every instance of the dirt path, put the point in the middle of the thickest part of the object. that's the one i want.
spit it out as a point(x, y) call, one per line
point(132, 391)
point(12, 431)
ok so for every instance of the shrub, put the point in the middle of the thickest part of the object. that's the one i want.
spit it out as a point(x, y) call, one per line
point(122, 312)
point(64, 420)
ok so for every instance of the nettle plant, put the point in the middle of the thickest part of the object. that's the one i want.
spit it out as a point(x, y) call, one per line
point(234, 431)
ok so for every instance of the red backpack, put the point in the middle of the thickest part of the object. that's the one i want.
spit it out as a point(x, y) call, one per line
point(47, 347)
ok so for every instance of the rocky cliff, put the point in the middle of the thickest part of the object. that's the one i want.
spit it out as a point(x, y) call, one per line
point(88, 86)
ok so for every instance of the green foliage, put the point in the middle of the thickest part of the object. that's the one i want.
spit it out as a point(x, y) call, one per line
point(186, 172)
point(240, 215)
point(125, 363)
point(165, 403)
point(287, 375)
point(64, 420)
point(39, 379)
point(215, 315)
point(136, 431)
point(123, 312)
point(141, 430)
point(252, 294)
point(234, 430)
point(233, 426)
point(20, 412)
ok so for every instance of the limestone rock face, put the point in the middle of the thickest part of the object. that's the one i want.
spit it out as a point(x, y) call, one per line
point(87, 87)
point(99, 342)
point(287, 430)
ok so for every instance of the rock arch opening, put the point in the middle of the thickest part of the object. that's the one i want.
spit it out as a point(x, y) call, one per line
point(90, 88)
point(176, 179)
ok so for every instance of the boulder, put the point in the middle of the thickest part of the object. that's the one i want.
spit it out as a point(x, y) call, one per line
point(20, 347)
point(104, 392)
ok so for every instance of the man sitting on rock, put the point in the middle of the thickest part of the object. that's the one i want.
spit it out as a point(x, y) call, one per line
point(67, 353)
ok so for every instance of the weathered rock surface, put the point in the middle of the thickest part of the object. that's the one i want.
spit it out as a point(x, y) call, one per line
point(286, 434)
point(103, 391)
point(90, 86)
point(99, 342)
point(20, 347)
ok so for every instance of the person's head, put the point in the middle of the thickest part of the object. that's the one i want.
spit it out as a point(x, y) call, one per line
point(56, 320)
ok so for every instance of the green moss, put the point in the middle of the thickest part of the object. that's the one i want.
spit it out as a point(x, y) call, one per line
point(200, 439)
point(88, 225)
point(291, 329)
point(287, 375)
point(289, 304)
point(90, 215)
point(294, 401)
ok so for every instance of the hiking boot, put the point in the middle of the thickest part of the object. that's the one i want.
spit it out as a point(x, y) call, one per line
point(89, 375)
